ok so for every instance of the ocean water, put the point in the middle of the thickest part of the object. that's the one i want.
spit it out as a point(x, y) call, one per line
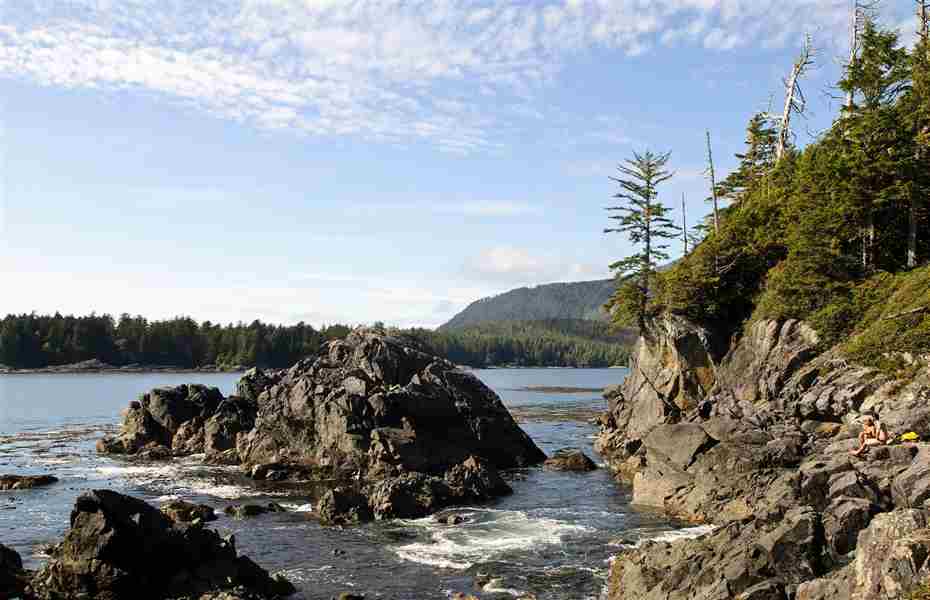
point(552, 539)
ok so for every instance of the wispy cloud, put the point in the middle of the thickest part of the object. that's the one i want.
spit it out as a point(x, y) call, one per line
point(444, 73)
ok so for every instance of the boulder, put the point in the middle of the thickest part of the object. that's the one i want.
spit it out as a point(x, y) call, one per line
point(570, 459)
point(343, 506)
point(413, 429)
point(180, 511)
point(13, 579)
point(121, 547)
point(244, 511)
point(25, 482)
point(169, 417)
point(232, 416)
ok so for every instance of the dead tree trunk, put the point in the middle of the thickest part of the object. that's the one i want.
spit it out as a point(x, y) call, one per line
point(794, 97)
point(713, 185)
point(684, 224)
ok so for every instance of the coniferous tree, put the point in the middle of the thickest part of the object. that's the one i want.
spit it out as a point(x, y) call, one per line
point(878, 148)
point(642, 217)
point(757, 160)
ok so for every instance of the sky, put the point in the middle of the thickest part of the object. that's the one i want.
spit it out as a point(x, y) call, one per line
point(355, 161)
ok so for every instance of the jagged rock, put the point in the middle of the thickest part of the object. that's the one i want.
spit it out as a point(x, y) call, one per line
point(887, 552)
point(405, 424)
point(232, 416)
point(180, 511)
point(911, 487)
point(342, 506)
point(679, 444)
point(570, 459)
point(671, 371)
point(769, 354)
point(843, 519)
point(744, 557)
point(120, 547)
point(155, 419)
point(380, 404)
point(765, 454)
point(25, 482)
point(255, 381)
point(243, 511)
point(188, 439)
point(13, 579)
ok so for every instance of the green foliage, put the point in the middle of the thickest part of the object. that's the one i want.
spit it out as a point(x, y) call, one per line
point(549, 343)
point(757, 160)
point(578, 300)
point(823, 234)
point(643, 219)
point(33, 341)
point(897, 320)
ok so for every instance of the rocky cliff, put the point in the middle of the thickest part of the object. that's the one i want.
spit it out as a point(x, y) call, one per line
point(753, 436)
point(407, 432)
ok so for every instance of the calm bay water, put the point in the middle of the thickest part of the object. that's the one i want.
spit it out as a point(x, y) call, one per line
point(551, 538)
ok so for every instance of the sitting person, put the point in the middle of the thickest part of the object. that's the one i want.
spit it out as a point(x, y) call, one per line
point(873, 434)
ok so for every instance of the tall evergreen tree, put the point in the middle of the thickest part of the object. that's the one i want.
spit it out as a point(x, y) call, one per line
point(878, 147)
point(754, 162)
point(642, 217)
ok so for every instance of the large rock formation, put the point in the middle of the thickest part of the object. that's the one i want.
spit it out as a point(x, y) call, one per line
point(760, 448)
point(412, 432)
point(181, 420)
point(120, 547)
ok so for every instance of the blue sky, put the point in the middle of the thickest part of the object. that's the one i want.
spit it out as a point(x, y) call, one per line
point(352, 161)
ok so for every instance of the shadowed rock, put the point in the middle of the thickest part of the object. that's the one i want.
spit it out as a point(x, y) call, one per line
point(25, 482)
point(120, 547)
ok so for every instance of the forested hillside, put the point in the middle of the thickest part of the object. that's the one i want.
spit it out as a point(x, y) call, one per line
point(837, 233)
point(35, 341)
point(579, 300)
point(550, 343)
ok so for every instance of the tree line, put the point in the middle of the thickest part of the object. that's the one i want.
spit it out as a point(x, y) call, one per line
point(36, 341)
point(546, 343)
point(820, 233)
point(30, 341)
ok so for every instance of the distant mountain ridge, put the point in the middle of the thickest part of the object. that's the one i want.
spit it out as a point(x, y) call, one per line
point(582, 300)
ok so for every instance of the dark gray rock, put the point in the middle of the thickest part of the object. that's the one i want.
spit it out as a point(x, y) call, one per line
point(233, 416)
point(180, 511)
point(344, 506)
point(13, 579)
point(168, 418)
point(120, 547)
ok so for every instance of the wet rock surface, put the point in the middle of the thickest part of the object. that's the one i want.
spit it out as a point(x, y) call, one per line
point(761, 449)
point(121, 547)
point(570, 459)
point(407, 431)
point(13, 579)
point(25, 482)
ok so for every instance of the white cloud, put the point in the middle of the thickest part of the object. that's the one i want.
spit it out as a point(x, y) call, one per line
point(447, 73)
point(511, 266)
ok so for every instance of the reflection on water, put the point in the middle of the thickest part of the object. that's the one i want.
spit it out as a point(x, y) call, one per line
point(553, 537)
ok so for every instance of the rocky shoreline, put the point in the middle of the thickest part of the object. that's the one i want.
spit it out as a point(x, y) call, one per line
point(753, 435)
point(97, 366)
